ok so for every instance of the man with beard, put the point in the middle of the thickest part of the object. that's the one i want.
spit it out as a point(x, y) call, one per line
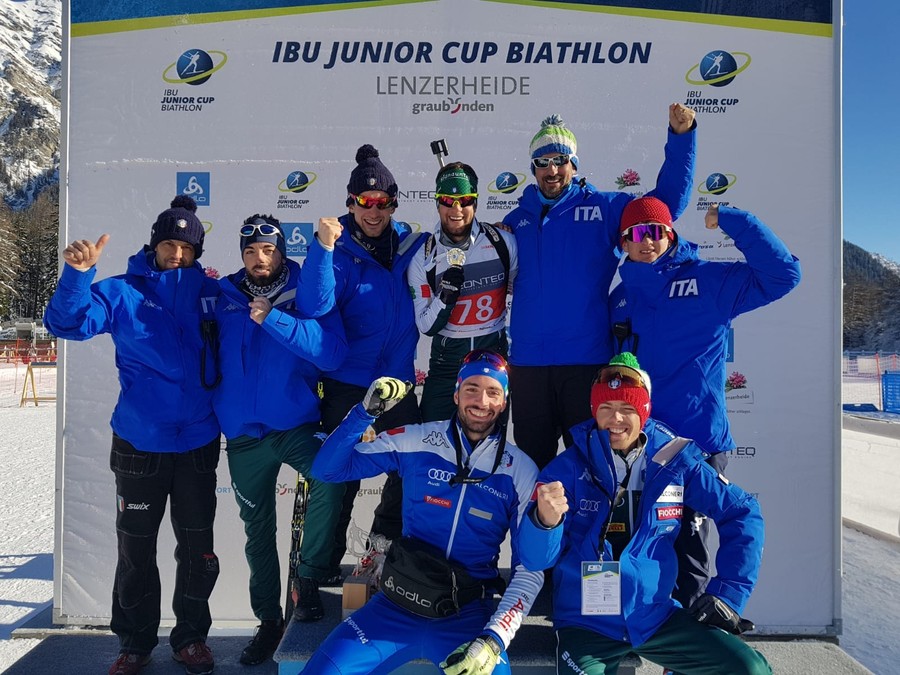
point(459, 281)
point(567, 236)
point(370, 261)
point(464, 488)
point(165, 444)
point(271, 354)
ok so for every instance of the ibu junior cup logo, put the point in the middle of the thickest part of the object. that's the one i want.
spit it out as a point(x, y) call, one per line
point(194, 67)
point(506, 183)
point(297, 181)
point(718, 68)
point(717, 183)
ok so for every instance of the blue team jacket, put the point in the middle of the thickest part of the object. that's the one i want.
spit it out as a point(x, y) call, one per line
point(680, 308)
point(154, 319)
point(676, 475)
point(270, 372)
point(376, 307)
point(567, 260)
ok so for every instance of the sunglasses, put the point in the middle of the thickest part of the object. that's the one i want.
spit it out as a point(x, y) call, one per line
point(450, 200)
point(265, 229)
point(544, 162)
point(655, 231)
point(382, 203)
point(617, 376)
point(493, 358)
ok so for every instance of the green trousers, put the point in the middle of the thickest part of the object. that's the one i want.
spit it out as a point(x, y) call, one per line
point(682, 644)
point(254, 465)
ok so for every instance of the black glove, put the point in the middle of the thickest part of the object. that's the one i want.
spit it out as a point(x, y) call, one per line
point(451, 285)
point(711, 610)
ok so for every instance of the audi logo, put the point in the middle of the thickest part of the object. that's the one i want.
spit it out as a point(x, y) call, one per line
point(589, 505)
point(438, 474)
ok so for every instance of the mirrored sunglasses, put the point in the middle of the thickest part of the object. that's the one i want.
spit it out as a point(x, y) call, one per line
point(368, 202)
point(616, 376)
point(655, 231)
point(544, 162)
point(450, 200)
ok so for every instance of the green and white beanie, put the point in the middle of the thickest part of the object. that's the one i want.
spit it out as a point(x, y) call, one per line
point(554, 137)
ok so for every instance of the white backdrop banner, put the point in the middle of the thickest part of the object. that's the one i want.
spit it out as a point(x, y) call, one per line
point(259, 106)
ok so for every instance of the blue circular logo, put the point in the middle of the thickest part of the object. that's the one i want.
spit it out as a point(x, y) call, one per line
point(297, 182)
point(718, 68)
point(506, 182)
point(718, 183)
point(194, 67)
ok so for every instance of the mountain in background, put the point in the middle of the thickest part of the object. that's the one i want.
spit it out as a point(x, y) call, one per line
point(30, 92)
point(871, 301)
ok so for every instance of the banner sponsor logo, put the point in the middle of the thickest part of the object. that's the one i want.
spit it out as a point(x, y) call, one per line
point(743, 452)
point(506, 183)
point(717, 183)
point(193, 68)
point(717, 69)
point(296, 183)
point(669, 512)
point(195, 185)
point(296, 238)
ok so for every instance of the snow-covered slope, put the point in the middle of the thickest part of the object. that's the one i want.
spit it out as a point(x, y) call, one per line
point(30, 45)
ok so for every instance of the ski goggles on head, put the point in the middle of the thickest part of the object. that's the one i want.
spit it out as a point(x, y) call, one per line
point(382, 203)
point(265, 229)
point(655, 231)
point(484, 362)
point(618, 376)
point(544, 162)
point(450, 200)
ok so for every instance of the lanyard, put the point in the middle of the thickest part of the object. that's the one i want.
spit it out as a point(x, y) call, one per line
point(462, 470)
point(613, 500)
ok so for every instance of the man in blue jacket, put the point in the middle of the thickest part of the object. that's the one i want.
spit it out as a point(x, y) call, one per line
point(370, 262)
point(165, 444)
point(271, 355)
point(567, 232)
point(464, 488)
point(674, 311)
point(614, 567)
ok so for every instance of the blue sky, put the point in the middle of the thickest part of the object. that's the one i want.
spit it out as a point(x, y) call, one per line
point(871, 103)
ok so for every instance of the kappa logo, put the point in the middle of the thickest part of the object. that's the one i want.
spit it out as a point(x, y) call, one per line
point(152, 305)
point(622, 303)
point(436, 439)
point(585, 475)
point(233, 307)
point(683, 288)
point(669, 512)
point(523, 223)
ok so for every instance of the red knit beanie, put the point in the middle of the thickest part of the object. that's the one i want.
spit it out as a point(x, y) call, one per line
point(612, 384)
point(646, 210)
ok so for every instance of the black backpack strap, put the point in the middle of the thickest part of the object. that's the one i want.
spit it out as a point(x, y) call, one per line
point(499, 246)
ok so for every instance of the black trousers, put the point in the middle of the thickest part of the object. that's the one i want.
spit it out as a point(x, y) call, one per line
point(145, 481)
point(337, 399)
point(546, 402)
point(692, 548)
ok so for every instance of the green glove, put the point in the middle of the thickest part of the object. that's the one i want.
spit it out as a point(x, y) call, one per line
point(384, 393)
point(477, 657)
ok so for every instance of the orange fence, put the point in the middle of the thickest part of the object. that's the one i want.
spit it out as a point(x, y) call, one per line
point(27, 351)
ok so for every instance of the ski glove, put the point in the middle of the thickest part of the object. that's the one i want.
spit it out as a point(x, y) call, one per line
point(711, 610)
point(451, 285)
point(384, 393)
point(477, 657)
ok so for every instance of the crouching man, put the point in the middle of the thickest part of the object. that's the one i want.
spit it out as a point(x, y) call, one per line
point(464, 488)
point(606, 515)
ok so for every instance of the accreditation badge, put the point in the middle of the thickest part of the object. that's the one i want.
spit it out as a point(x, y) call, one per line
point(601, 588)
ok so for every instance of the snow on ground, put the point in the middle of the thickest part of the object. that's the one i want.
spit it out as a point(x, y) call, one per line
point(871, 602)
point(27, 471)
